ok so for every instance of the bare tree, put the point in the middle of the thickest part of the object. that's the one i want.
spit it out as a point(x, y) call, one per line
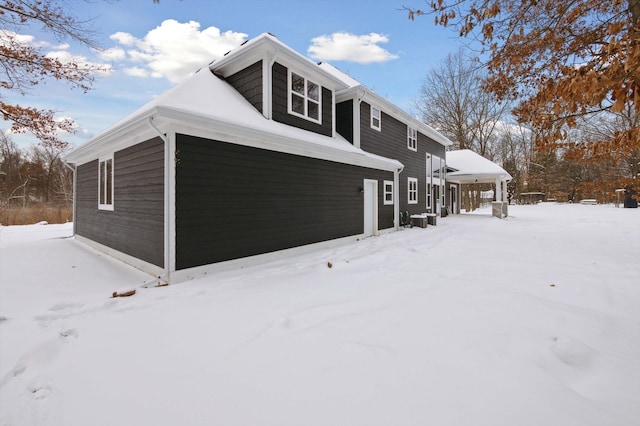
point(453, 101)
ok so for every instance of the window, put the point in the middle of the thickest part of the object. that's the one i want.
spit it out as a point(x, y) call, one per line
point(412, 139)
point(388, 192)
point(304, 98)
point(412, 185)
point(105, 184)
point(376, 119)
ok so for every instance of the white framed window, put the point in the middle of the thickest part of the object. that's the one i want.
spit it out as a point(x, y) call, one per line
point(376, 119)
point(388, 192)
point(412, 139)
point(105, 183)
point(305, 98)
point(412, 190)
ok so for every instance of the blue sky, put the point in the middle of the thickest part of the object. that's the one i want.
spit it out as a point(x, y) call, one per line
point(148, 48)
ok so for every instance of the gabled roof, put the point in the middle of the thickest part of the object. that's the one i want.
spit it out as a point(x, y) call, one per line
point(359, 90)
point(212, 105)
point(471, 168)
point(267, 47)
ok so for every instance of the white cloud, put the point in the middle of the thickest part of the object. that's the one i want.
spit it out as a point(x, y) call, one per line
point(136, 72)
point(174, 50)
point(112, 54)
point(342, 46)
point(123, 38)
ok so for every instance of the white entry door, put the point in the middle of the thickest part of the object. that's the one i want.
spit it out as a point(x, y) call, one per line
point(370, 207)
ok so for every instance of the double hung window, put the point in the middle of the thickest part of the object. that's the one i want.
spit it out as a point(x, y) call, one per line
point(304, 98)
point(105, 183)
point(412, 139)
point(412, 186)
point(388, 192)
point(376, 119)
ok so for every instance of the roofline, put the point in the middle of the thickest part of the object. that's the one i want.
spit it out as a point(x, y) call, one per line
point(394, 111)
point(250, 137)
point(273, 46)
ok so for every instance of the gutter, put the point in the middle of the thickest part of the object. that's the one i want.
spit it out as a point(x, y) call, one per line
point(73, 206)
point(270, 85)
point(167, 193)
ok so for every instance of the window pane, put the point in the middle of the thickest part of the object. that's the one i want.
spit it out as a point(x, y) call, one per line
point(375, 122)
point(101, 183)
point(313, 110)
point(297, 104)
point(109, 179)
point(313, 91)
point(297, 83)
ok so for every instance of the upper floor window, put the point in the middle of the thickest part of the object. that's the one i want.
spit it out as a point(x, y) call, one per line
point(376, 119)
point(412, 139)
point(412, 185)
point(304, 97)
point(388, 192)
point(105, 184)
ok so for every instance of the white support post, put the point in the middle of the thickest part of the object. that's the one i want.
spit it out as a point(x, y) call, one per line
point(504, 191)
point(498, 189)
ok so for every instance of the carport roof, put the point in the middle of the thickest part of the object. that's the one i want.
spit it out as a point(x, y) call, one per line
point(465, 166)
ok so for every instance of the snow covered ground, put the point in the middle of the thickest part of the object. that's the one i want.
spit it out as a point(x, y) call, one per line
point(532, 320)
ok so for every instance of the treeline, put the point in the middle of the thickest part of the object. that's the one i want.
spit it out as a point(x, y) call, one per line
point(35, 184)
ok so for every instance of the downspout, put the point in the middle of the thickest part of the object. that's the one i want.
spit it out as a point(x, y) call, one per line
point(270, 84)
point(73, 194)
point(396, 197)
point(356, 124)
point(167, 193)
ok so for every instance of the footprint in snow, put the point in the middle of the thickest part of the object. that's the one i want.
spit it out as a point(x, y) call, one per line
point(572, 352)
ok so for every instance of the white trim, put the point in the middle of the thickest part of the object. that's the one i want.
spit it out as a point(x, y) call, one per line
point(384, 192)
point(379, 118)
point(374, 212)
point(305, 97)
point(393, 111)
point(244, 262)
point(428, 190)
point(410, 191)
point(171, 135)
point(266, 86)
point(103, 181)
point(412, 138)
point(396, 198)
point(140, 264)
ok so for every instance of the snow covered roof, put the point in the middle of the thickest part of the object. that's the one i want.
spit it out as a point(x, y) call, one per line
point(471, 168)
point(345, 78)
point(208, 102)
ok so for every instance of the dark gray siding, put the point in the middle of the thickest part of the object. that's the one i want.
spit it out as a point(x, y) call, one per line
point(136, 226)
point(234, 201)
point(344, 119)
point(280, 111)
point(391, 142)
point(249, 83)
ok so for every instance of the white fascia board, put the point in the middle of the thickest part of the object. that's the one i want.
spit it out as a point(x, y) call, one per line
point(387, 107)
point(114, 139)
point(138, 130)
point(208, 128)
point(266, 46)
point(477, 178)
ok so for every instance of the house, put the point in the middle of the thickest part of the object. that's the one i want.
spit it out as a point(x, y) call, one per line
point(259, 154)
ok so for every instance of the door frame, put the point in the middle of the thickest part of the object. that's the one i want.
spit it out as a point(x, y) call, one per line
point(370, 201)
